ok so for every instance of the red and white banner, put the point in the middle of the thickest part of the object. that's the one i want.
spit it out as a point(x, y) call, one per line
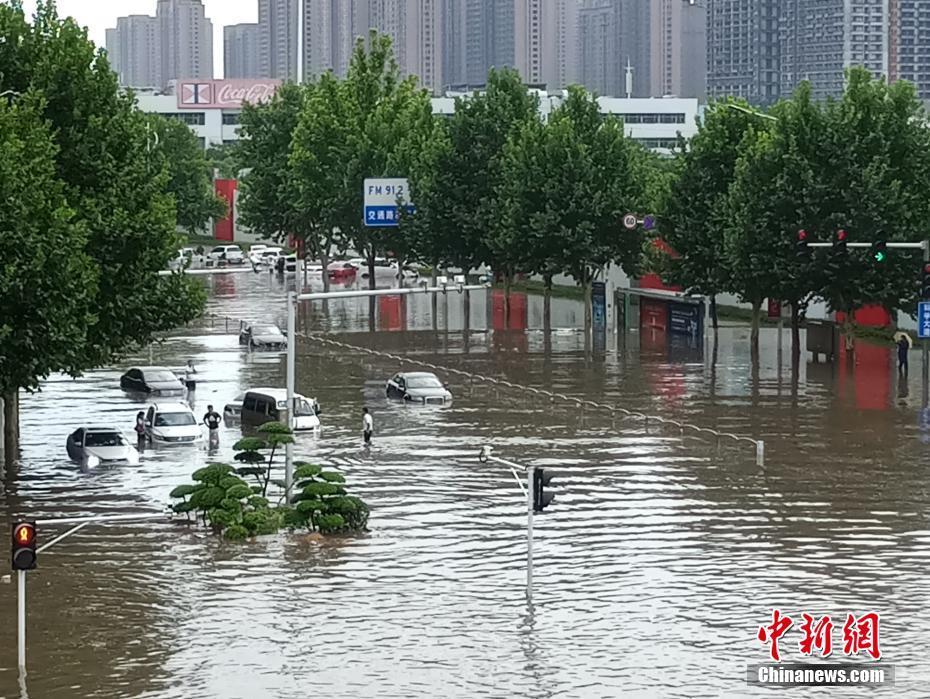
point(224, 94)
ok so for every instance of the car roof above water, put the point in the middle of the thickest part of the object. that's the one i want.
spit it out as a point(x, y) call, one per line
point(172, 408)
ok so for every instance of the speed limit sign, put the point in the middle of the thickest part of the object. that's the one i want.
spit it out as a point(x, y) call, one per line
point(629, 221)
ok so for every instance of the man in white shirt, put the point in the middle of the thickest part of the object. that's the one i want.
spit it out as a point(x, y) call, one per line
point(367, 425)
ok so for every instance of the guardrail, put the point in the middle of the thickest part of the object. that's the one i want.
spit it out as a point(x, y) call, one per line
point(552, 396)
point(614, 410)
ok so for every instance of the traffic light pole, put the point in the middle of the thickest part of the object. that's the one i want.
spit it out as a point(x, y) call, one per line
point(21, 619)
point(80, 523)
point(530, 493)
point(530, 477)
point(925, 348)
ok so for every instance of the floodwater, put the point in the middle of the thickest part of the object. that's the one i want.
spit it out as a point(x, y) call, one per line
point(655, 566)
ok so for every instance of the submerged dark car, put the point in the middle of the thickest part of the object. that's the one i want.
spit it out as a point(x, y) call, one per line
point(418, 387)
point(152, 380)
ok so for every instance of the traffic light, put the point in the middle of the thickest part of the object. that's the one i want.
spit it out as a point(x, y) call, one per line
point(839, 242)
point(24, 545)
point(801, 250)
point(880, 251)
point(925, 283)
point(541, 481)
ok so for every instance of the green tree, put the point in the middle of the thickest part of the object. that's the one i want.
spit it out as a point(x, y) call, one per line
point(114, 178)
point(224, 160)
point(190, 174)
point(861, 163)
point(354, 129)
point(276, 202)
point(564, 191)
point(455, 184)
point(694, 209)
point(46, 279)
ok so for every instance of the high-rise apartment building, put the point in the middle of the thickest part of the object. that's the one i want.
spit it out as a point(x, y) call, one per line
point(615, 47)
point(186, 37)
point(744, 49)
point(822, 38)
point(241, 54)
point(909, 43)
point(279, 33)
point(679, 49)
point(599, 55)
point(134, 48)
point(331, 28)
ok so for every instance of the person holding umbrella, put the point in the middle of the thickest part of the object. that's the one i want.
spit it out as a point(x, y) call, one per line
point(904, 343)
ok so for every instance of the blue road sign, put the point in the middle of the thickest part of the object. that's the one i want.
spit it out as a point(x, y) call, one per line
point(923, 319)
point(381, 199)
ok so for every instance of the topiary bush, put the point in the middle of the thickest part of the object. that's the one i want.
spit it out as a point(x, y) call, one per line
point(222, 500)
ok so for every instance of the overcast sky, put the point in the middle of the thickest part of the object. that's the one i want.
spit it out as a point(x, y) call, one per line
point(98, 15)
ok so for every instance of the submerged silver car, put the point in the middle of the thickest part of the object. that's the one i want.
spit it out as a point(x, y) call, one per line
point(262, 336)
point(418, 387)
point(96, 446)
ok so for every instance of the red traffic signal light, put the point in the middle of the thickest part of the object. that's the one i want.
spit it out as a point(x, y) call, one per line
point(802, 234)
point(841, 235)
point(24, 546)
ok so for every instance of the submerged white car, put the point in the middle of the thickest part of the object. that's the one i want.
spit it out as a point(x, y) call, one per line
point(96, 446)
point(172, 423)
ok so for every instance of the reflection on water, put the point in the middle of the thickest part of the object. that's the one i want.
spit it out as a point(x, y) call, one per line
point(655, 565)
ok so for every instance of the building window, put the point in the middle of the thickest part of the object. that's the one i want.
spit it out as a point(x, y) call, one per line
point(673, 118)
point(189, 118)
point(231, 118)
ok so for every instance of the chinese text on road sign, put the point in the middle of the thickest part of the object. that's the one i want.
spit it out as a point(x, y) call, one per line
point(381, 199)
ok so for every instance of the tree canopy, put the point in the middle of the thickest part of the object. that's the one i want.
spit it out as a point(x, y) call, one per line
point(115, 180)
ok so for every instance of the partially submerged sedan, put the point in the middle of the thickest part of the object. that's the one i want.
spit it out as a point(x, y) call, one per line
point(418, 387)
point(262, 336)
point(152, 380)
point(100, 446)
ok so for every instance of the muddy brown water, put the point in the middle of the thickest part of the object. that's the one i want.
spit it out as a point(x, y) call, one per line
point(655, 566)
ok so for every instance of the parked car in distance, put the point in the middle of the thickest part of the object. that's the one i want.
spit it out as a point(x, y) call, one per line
point(230, 254)
point(172, 423)
point(268, 257)
point(417, 387)
point(262, 336)
point(232, 411)
point(341, 270)
point(96, 446)
point(152, 380)
point(262, 405)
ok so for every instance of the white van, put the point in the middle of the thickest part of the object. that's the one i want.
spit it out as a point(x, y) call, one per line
point(261, 405)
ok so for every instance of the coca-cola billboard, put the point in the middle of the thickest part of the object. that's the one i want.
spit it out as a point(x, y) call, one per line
point(224, 94)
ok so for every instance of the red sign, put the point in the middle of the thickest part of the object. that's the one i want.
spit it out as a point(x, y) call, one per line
point(774, 308)
point(224, 94)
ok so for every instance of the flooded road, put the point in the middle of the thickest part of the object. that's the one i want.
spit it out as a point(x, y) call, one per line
point(655, 566)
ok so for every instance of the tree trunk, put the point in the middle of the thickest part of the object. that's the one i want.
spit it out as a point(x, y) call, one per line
point(586, 288)
point(371, 267)
point(713, 312)
point(508, 283)
point(306, 273)
point(547, 304)
point(11, 427)
point(795, 330)
point(754, 334)
point(324, 261)
point(434, 300)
